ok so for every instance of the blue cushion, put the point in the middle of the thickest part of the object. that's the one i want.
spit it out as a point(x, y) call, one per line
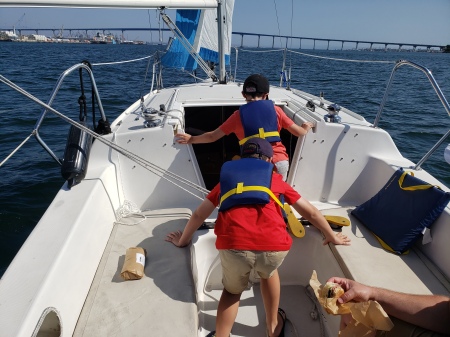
point(401, 210)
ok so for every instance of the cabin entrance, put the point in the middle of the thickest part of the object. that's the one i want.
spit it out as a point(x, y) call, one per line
point(210, 157)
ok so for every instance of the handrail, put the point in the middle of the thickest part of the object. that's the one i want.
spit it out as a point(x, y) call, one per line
point(436, 88)
point(52, 97)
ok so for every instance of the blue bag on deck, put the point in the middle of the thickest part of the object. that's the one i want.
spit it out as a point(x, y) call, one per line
point(401, 210)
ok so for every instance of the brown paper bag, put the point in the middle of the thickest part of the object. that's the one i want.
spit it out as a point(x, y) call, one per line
point(367, 317)
point(133, 266)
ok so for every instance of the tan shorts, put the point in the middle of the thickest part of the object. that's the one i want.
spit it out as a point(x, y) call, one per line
point(403, 329)
point(237, 265)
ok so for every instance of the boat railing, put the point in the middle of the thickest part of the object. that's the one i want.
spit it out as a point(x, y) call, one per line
point(436, 88)
point(58, 85)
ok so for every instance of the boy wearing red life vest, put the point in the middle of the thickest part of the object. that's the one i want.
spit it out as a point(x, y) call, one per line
point(258, 118)
point(251, 232)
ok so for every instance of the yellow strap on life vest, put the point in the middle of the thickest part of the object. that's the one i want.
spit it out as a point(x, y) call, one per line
point(240, 188)
point(295, 226)
point(387, 247)
point(413, 188)
point(260, 134)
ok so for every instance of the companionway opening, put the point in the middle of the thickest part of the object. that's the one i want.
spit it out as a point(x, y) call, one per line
point(210, 157)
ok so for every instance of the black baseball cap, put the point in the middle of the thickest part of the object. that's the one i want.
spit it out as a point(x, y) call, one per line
point(257, 146)
point(256, 83)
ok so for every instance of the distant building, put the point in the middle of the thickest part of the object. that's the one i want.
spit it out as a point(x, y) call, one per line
point(37, 38)
point(8, 36)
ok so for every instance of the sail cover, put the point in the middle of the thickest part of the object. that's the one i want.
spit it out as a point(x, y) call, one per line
point(200, 28)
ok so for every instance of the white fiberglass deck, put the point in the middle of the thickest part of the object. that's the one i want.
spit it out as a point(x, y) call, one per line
point(115, 307)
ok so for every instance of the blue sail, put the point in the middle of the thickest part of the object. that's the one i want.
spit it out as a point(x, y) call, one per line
point(177, 55)
point(199, 27)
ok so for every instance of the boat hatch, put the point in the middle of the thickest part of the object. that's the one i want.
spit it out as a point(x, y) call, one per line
point(210, 157)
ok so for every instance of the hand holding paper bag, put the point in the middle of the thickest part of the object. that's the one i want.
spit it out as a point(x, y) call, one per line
point(367, 317)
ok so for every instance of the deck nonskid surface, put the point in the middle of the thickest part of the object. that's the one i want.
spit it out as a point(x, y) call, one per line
point(162, 301)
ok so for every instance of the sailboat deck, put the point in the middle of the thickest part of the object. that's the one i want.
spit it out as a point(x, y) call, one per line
point(115, 307)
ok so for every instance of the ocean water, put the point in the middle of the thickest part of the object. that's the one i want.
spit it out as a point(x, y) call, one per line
point(30, 179)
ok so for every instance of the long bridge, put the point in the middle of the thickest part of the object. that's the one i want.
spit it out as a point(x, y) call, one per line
point(287, 38)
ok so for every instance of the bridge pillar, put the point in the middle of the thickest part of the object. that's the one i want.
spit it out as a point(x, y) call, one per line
point(342, 45)
point(385, 47)
point(357, 43)
point(328, 45)
point(300, 43)
point(371, 46)
point(400, 47)
point(314, 46)
point(273, 41)
point(259, 39)
point(242, 40)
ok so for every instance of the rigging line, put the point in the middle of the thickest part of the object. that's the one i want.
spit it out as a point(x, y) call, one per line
point(119, 62)
point(159, 26)
point(338, 59)
point(119, 149)
point(145, 77)
point(150, 25)
point(292, 33)
point(261, 51)
point(292, 19)
point(161, 175)
point(187, 45)
point(278, 22)
point(16, 149)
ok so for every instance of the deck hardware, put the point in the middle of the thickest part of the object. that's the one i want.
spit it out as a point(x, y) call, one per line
point(310, 105)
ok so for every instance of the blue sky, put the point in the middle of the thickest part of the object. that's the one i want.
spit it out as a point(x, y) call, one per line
point(407, 21)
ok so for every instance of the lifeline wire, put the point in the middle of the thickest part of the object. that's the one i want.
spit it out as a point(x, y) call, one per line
point(16, 149)
point(147, 165)
point(119, 62)
point(316, 56)
point(338, 59)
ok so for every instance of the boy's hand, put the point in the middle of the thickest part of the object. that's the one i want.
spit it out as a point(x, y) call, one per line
point(183, 138)
point(338, 239)
point(175, 237)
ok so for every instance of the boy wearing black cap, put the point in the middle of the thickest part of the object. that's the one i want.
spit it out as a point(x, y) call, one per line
point(258, 118)
point(251, 232)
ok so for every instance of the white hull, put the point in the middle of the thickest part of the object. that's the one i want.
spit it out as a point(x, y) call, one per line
point(67, 273)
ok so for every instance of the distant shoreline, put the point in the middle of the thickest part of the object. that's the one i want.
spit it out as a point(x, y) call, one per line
point(74, 41)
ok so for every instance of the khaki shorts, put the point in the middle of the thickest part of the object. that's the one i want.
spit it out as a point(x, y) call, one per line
point(237, 265)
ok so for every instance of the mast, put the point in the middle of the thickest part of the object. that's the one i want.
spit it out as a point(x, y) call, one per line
point(221, 37)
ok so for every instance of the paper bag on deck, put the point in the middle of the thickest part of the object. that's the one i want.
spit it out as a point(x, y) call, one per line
point(133, 266)
point(367, 317)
